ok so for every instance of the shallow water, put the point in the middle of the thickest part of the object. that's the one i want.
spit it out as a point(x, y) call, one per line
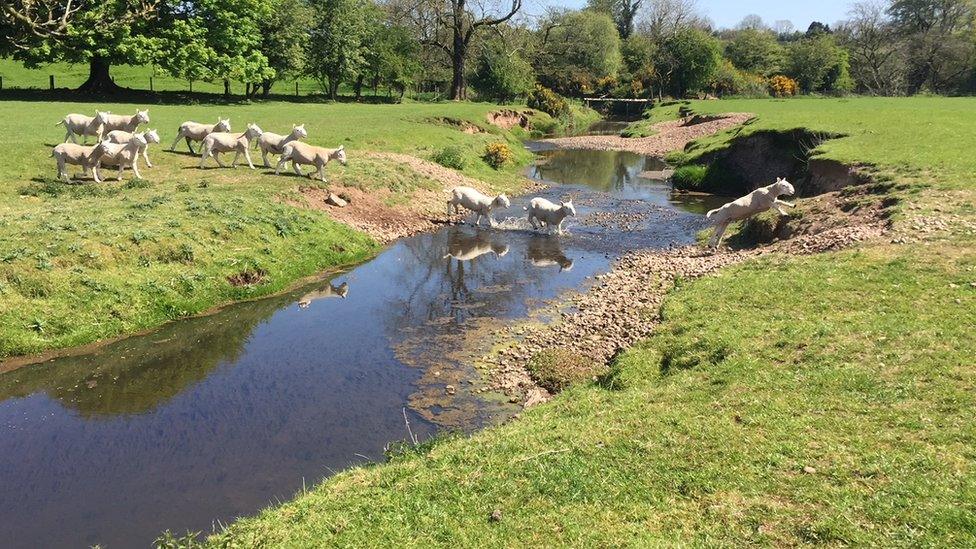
point(214, 417)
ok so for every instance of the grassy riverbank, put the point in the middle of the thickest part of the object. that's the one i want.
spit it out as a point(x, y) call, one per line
point(790, 400)
point(88, 261)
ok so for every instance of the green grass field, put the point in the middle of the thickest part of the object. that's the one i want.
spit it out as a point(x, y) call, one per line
point(84, 262)
point(823, 400)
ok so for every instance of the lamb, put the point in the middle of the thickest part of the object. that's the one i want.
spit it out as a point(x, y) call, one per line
point(124, 155)
point(753, 203)
point(330, 290)
point(303, 153)
point(123, 122)
point(543, 213)
point(218, 142)
point(476, 202)
point(79, 124)
point(79, 155)
point(194, 131)
point(275, 144)
point(120, 136)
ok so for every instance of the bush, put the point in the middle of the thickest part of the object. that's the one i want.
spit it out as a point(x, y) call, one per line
point(729, 80)
point(783, 86)
point(497, 154)
point(556, 369)
point(545, 100)
point(690, 178)
point(501, 76)
point(450, 157)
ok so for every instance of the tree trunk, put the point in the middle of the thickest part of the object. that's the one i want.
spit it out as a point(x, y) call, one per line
point(99, 79)
point(459, 91)
point(266, 88)
point(359, 87)
point(226, 88)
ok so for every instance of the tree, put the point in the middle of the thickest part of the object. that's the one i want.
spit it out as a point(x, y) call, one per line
point(939, 36)
point(688, 60)
point(665, 18)
point(337, 43)
point(579, 49)
point(623, 13)
point(817, 28)
point(818, 65)
point(875, 48)
point(752, 22)
point(755, 51)
point(99, 33)
point(502, 74)
point(638, 53)
point(450, 26)
point(395, 59)
point(285, 37)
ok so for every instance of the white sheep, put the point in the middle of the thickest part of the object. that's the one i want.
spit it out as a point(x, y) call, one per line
point(124, 155)
point(749, 205)
point(79, 124)
point(274, 143)
point(219, 142)
point(543, 213)
point(330, 290)
point(79, 155)
point(476, 202)
point(125, 122)
point(120, 136)
point(303, 153)
point(194, 131)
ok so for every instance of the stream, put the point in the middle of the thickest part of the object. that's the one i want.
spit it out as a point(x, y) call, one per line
point(214, 417)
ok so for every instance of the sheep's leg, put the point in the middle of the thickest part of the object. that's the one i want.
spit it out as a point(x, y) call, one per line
point(145, 155)
point(559, 226)
point(779, 205)
point(717, 236)
point(175, 141)
point(321, 171)
point(247, 156)
point(203, 155)
point(491, 220)
point(94, 170)
point(264, 155)
point(450, 206)
point(216, 155)
point(135, 167)
point(189, 145)
point(281, 162)
point(68, 134)
point(121, 169)
point(297, 169)
point(237, 154)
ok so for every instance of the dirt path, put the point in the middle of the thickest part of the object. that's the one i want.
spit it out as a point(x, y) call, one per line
point(671, 136)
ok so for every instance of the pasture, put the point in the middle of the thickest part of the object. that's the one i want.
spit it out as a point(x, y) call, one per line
point(88, 261)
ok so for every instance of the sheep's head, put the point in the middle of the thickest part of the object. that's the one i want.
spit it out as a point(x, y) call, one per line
point(299, 131)
point(340, 155)
point(152, 136)
point(342, 290)
point(253, 131)
point(501, 201)
point(569, 209)
point(222, 125)
point(565, 264)
point(139, 141)
point(500, 249)
point(784, 187)
point(142, 117)
point(103, 147)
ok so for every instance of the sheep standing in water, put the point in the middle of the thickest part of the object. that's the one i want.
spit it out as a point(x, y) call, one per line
point(194, 131)
point(219, 142)
point(79, 124)
point(79, 155)
point(543, 213)
point(749, 205)
point(123, 137)
point(476, 202)
point(275, 144)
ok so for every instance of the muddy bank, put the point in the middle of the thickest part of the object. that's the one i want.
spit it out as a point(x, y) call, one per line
point(622, 307)
point(671, 136)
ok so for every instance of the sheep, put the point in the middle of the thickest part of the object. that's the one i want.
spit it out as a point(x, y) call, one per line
point(753, 203)
point(476, 202)
point(120, 136)
point(330, 290)
point(124, 122)
point(303, 153)
point(124, 155)
point(218, 142)
point(468, 247)
point(274, 143)
point(194, 131)
point(79, 155)
point(543, 213)
point(79, 124)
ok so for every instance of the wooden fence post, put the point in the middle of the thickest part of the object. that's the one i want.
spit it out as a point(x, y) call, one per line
point(51, 81)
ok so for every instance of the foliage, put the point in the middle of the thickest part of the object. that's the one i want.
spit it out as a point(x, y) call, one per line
point(502, 75)
point(690, 177)
point(623, 12)
point(392, 57)
point(755, 51)
point(688, 61)
point(783, 86)
point(728, 80)
point(818, 64)
point(579, 49)
point(497, 154)
point(543, 99)
point(451, 156)
point(338, 40)
point(639, 74)
point(285, 39)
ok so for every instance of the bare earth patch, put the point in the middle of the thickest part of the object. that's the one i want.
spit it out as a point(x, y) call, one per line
point(671, 136)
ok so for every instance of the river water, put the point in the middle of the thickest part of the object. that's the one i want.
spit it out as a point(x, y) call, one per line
point(215, 417)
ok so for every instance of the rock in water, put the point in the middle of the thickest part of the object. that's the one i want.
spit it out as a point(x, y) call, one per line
point(334, 200)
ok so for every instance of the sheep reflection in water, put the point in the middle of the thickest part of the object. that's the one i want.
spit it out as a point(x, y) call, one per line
point(546, 252)
point(467, 246)
point(329, 290)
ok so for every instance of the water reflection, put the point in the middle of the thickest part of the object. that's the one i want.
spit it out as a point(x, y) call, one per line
point(545, 251)
point(465, 246)
point(327, 291)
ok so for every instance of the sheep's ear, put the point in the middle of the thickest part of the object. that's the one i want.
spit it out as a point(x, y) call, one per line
point(342, 147)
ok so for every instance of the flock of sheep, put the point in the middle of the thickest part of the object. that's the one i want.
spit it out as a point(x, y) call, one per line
point(120, 145)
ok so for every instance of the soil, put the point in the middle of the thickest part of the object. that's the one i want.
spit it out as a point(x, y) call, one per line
point(508, 119)
point(671, 136)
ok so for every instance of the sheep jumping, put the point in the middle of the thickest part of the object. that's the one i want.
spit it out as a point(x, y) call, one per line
point(218, 142)
point(79, 155)
point(274, 143)
point(545, 214)
point(79, 124)
point(124, 155)
point(122, 122)
point(303, 153)
point(473, 200)
point(749, 205)
point(123, 137)
point(194, 131)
